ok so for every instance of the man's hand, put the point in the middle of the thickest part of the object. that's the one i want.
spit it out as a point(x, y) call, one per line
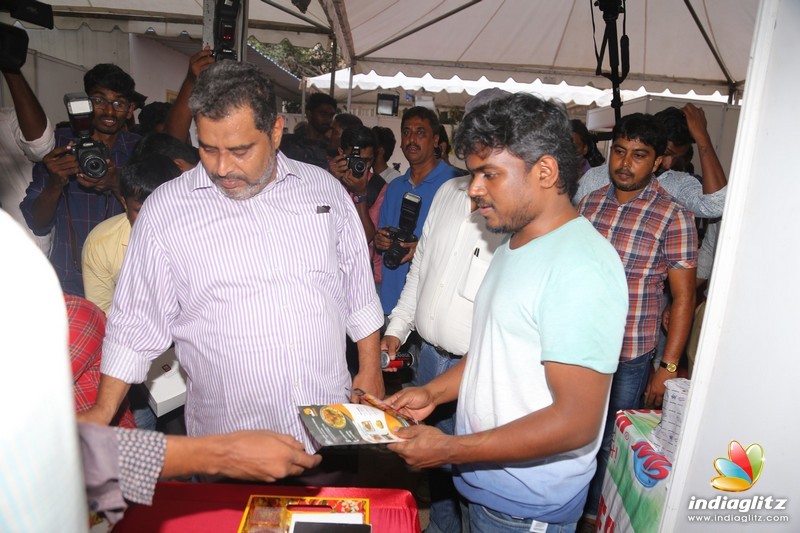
point(262, 455)
point(368, 381)
point(382, 240)
point(425, 446)
point(60, 165)
point(390, 344)
point(199, 62)
point(417, 402)
point(654, 393)
point(411, 247)
point(109, 182)
point(696, 121)
point(338, 166)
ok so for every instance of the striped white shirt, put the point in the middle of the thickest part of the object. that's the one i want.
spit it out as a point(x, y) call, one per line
point(256, 294)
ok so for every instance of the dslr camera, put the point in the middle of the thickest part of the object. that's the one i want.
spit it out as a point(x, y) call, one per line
point(409, 213)
point(91, 154)
point(358, 164)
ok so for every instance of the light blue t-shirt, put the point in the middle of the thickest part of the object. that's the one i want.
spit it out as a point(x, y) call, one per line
point(560, 298)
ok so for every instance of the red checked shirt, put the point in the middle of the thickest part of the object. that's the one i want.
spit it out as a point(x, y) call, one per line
point(652, 234)
point(87, 327)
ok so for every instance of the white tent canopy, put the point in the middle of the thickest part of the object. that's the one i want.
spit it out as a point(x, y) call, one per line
point(548, 40)
point(454, 91)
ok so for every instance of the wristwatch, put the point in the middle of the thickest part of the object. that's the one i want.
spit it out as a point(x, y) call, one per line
point(671, 367)
point(357, 198)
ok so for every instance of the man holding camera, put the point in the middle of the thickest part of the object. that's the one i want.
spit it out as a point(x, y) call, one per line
point(423, 178)
point(69, 198)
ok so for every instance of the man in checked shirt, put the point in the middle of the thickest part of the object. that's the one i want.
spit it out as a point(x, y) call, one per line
point(657, 242)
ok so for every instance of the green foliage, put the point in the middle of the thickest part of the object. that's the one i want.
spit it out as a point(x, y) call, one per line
point(302, 62)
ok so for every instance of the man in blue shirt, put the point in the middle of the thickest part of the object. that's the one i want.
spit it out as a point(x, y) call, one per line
point(425, 175)
point(63, 199)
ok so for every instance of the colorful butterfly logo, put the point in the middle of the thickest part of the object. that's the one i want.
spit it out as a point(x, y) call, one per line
point(740, 470)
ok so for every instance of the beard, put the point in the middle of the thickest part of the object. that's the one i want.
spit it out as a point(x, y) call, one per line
point(629, 187)
point(515, 222)
point(248, 189)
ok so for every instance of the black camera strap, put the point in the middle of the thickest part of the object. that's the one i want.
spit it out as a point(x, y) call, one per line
point(374, 187)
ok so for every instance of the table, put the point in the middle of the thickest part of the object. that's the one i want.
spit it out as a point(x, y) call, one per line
point(637, 477)
point(218, 507)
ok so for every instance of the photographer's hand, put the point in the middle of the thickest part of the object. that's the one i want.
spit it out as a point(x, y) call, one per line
point(109, 182)
point(357, 186)
point(338, 166)
point(382, 241)
point(199, 62)
point(179, 118)
point(411, 247)
point(60, 165)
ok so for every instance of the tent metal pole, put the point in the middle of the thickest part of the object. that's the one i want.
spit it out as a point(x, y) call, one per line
point(333, 66)
point(241, 22)
point(303, 96)
point(350, 87)
point(711, 47)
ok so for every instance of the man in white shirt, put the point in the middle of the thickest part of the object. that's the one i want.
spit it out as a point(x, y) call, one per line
point(26, 136)
point(452, 256)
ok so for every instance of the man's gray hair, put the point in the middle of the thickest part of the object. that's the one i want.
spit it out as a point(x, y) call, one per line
point(229, 85)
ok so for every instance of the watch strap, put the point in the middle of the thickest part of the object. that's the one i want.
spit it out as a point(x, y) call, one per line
point(671, 367)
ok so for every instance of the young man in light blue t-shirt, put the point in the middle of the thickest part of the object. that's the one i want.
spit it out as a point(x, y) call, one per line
point(547, 329)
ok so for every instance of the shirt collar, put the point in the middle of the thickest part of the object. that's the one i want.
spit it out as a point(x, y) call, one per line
point(645, 195)
point(285, 167)
point(428, 177)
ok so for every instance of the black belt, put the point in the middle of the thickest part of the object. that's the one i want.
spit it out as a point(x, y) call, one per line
point(445, 353)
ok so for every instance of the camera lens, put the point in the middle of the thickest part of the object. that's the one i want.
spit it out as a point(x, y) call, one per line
point(93, 165)
point(359, 167)
point(393, 256)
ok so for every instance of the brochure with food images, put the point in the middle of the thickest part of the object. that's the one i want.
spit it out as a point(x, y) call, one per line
point(278, 514)
point(372, 422)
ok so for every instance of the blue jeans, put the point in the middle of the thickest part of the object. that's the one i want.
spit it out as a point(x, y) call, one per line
point(483, 520)
point(144, 417)
point(445, 514)
point(627, 389)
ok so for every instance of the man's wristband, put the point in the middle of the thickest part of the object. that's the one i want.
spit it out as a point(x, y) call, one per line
point(359, 199)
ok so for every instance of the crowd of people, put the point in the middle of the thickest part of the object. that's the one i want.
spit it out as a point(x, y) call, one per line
point(540, 291)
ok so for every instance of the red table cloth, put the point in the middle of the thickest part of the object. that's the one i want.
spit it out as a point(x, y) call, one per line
point(218, 507)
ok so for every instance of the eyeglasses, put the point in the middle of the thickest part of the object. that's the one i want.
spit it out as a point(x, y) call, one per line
point(118, 105)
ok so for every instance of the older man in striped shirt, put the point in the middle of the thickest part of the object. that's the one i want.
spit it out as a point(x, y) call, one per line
point(255, 266)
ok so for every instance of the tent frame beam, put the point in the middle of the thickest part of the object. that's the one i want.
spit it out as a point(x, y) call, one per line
point(142, 16)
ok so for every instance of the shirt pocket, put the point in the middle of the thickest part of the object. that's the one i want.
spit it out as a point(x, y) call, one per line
point(477, 271)
point(312, 243)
